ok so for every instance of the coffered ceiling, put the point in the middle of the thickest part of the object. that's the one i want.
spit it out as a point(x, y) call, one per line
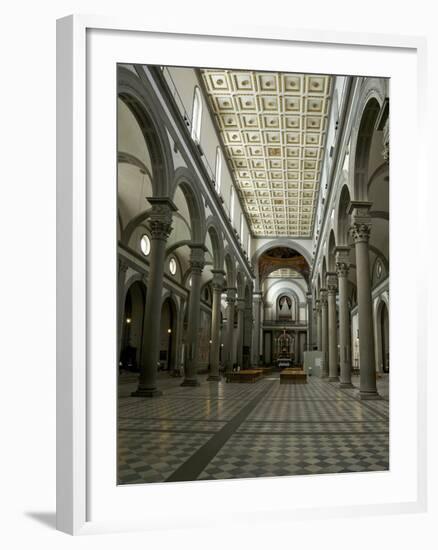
point(273, 126)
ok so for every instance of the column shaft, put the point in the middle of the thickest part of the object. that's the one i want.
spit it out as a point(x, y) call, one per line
point(191, 367)
point(215, 326)
point(297, 347)
point(332, 328)
point(318, 325)
point(361, 231)
point(229, 344)
point(121, 276)
point(324, 332)
point(309, 322)
point(160, 223)
point(342, 268)
point(256, 331)
point(240, 328)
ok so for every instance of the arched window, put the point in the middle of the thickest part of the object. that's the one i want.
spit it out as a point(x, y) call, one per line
point(231, 204)
point(241, 228)
point(197, 116)
point(249, 246)
point(218, 174)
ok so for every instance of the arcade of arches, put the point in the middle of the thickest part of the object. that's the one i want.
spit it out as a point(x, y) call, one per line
point(253, 237)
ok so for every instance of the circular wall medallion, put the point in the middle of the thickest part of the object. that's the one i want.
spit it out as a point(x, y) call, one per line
point(379, 270)
point(172, 266)
point(145, 245)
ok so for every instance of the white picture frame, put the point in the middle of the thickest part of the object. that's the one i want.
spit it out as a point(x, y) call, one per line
point(86, 504)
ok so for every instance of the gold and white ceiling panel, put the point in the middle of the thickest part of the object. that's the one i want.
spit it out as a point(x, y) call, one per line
point(273, 126)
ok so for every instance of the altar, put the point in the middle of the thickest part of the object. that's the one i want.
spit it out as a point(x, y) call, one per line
point(284, 355)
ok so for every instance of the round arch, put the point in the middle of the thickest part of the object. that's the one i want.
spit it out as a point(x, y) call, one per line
point(323, 272)
point(372, 97)
point(295, 304)
point(184, 180)
point(240, 284)
point(342, 216)
point(168, 332)
point(330, 252)
point(134, 93)
point(131, 341)
point(214, 231)
point(381, 328)
point(289, 243)
point(230, 269)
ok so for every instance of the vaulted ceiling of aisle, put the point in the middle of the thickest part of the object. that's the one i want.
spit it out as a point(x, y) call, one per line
point(273, 126)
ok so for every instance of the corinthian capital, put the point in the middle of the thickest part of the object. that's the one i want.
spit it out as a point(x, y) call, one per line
point(361, 221)
point(197, 258)
point(231, 296)
point(218, 281)
point(332, 283)
point(323, 297)
point(342, 269)
point(360, 232)
point(160, 220)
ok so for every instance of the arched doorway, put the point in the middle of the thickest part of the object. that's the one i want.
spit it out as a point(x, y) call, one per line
point(168, 325)
point(132, 327)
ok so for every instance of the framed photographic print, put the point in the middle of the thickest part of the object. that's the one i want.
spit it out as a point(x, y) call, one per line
point(234, 220)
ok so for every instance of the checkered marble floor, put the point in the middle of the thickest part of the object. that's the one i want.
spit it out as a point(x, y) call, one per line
point(223, 431)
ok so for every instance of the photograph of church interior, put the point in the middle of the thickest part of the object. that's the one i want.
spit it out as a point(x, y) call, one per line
point(253, 274)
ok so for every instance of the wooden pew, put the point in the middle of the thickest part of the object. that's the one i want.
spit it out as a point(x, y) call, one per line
point(293, 376)
point(247, 376)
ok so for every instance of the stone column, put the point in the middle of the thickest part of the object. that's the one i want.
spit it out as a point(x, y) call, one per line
point(121, 276)
point(309, 321)
point(324, 331)
point(160, 223)
point(360, 230)
point(197, 253)
point(247, 335)
point(332, 327)
point(218, 286)
point(297, 347)
point(342, 268)
point(318, 324)
point(257, 297)
point(240, 329)
point(231, 301)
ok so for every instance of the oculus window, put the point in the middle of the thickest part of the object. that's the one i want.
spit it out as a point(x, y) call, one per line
point(145, 245)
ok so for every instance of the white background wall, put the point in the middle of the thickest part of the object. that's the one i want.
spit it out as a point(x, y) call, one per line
point(27, 403)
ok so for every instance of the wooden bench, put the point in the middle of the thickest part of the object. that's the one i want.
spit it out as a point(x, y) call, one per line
point(247, 376)
point(293, 376)
point(265, 370)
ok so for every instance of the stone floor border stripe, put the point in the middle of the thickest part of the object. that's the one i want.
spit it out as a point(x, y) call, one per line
point(190, 470)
